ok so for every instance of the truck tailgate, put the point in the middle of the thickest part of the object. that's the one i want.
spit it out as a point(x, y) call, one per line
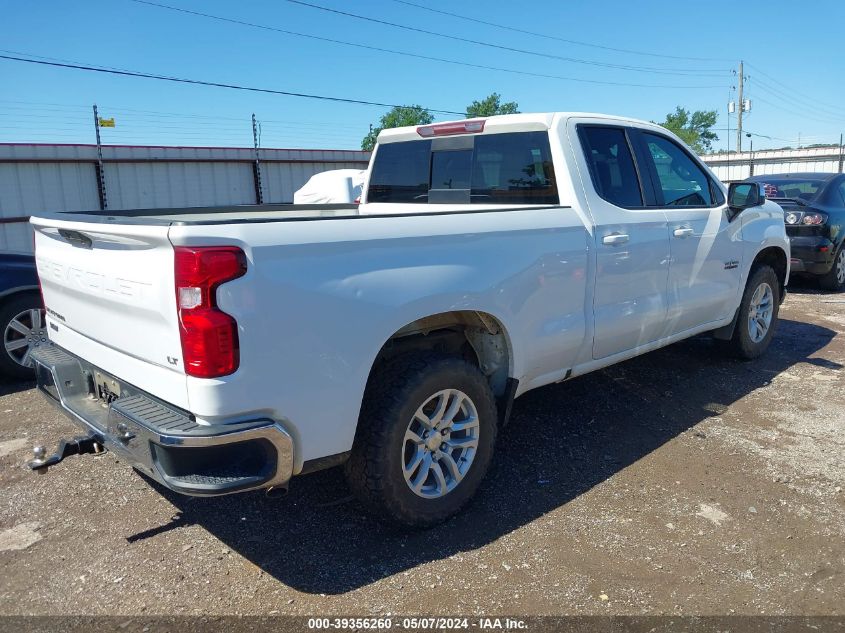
point(109, 294)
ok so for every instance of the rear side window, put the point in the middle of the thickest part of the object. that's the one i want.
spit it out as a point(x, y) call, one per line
point(682, 182)
point(401, 173)
point(512, 168)
point(611, 165)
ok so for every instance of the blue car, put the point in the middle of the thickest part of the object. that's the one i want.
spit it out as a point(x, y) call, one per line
point(21, 314)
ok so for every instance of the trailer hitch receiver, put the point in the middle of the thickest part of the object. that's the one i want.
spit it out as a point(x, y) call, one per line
point(77, 446)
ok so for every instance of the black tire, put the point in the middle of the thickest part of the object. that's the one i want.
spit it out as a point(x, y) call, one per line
point(393, 395)
point(10, 308)
point(742, 344)
point(834, 279)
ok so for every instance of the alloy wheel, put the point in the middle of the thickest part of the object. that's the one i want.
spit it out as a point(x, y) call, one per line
point(26, 331)
point(440, 443)
point(760, 312)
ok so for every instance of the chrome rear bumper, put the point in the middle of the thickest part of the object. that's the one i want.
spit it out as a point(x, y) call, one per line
point(160, 440)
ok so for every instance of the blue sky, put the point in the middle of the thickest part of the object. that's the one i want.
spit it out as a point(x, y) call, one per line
point(794, 59)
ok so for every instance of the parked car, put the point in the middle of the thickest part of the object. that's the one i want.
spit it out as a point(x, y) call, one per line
point(21, 315)
point(221, 352)
point(814, 212)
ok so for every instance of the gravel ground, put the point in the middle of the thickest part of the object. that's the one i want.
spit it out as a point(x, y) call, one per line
point(677, 483)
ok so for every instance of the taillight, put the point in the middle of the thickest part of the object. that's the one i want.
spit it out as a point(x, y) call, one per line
point(813, 218)
point(209, 335)
point(448, 129)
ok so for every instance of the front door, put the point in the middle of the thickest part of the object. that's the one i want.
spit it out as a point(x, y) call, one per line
point(632, 245)
point(705, 247)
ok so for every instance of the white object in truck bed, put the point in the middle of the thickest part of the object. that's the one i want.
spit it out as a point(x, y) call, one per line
point(337, 185)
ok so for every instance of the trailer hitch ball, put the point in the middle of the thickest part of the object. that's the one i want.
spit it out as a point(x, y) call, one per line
point(77, 446)
point(39, 453)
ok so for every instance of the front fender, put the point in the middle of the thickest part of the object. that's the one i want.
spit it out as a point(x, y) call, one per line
point(763, 227)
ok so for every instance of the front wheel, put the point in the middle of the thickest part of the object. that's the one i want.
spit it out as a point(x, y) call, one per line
point(424, 441)
point(758, 313)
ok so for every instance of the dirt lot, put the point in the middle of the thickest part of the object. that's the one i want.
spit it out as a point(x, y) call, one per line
point(676, 483)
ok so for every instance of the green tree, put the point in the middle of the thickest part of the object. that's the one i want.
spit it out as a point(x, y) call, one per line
point(399, 116)
point(490, 106)
point(694, 129)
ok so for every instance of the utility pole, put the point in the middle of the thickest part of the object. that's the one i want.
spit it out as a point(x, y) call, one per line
point(740, 107)
point(101, 176)
point(256, 166)
point(841, 156)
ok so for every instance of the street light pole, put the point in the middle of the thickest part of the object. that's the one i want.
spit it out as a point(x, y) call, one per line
point(751, 160)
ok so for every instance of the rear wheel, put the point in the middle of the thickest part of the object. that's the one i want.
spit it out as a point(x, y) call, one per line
point(758, 313)
point(24, 328)
point(425, 439)
point(834, 279)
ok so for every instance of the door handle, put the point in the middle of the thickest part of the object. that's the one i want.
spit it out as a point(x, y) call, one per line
point(683, 231)
point(615, 239)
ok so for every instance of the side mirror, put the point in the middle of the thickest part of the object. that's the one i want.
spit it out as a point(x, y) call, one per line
point(743, 195)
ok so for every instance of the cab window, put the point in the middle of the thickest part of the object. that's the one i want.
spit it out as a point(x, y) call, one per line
point(680, 180)
point(506, 168)
point(611, 164)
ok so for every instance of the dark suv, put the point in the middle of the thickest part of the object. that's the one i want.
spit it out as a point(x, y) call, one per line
point(814, 213)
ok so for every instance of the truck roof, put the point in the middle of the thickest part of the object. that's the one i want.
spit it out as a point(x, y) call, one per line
point(528, 122)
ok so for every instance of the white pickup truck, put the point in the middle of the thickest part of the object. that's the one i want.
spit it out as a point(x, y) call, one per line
point(223, 350)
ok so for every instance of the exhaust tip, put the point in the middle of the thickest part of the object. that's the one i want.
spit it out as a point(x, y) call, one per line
point(276, 492)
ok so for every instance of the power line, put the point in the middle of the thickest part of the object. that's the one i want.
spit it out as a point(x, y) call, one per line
point(792, 99)
point(444, 60)
point(664, 71)
point(213, 84)
point(803, 115)
point(153, 116)
point(559, 39)
point(795, 94)
point(795, 102)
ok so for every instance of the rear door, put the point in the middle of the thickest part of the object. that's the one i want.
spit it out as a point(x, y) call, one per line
point(632, 243)
point(706, 248)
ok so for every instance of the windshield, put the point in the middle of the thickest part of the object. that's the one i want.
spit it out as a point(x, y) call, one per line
point(796, 188)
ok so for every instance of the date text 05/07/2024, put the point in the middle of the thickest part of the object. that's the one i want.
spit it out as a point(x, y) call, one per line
point(417, 623)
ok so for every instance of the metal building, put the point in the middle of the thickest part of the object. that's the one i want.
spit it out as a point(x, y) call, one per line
point(37, 178)
point(732, 166)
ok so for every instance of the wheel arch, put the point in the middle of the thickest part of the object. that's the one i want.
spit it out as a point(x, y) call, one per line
point(775, 257)
point(10, 292)
point(479, 337)
point(476, 336)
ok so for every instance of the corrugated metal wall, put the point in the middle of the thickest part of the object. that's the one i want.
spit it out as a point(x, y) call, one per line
point(183, 184)
point(733, 166)
point(49, 178)
point(280, 180)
